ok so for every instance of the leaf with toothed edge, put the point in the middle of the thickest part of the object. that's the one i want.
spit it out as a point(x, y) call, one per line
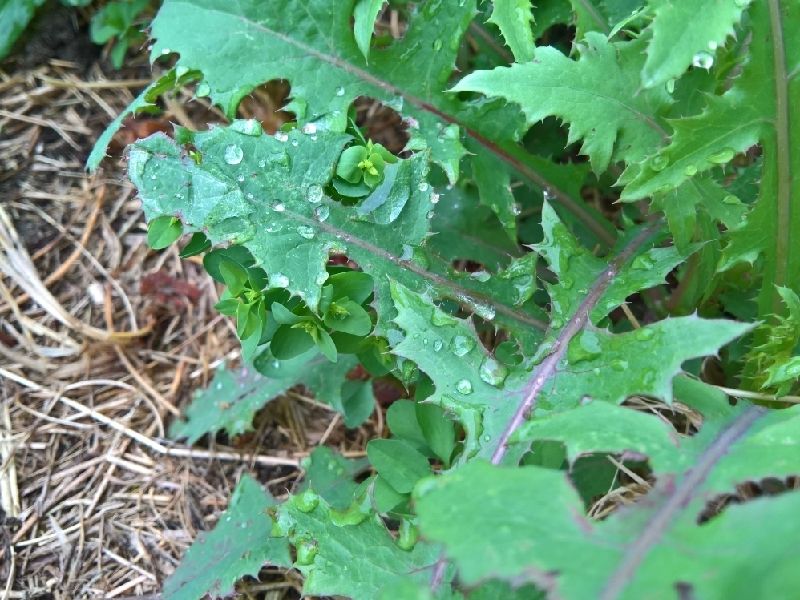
point(247, 183)
point(327, 72)
point(643, 550)
point(233, 397)
point(239, 545)
point(622, 122)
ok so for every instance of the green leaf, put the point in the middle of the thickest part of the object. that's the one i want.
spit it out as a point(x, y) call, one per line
point(639, 556)
point(514, 18)
point(577, 269)
point(500, 501)
point(348, 317)
point(398, 463)
point(340, 553)
point(404, 424)
point(144, 102)
point(439, 431)
point(197, 245)
point(754, 110)
point(601, 427)
point(14, 18)
point(358, 401)
point(290, 48)
point(233, 275)
point(239, 545)
point(682, 34)
point(624, 122)
point(292, 235)
point(331, 475)
point(163, 231)
point(229, 403)
point(364, 15)
point(289, 342)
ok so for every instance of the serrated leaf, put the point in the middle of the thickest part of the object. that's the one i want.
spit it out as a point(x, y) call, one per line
point(299, 225)
point(233, 397)
point(640, 551)
point(754, 110)
point(681, 30)
point(143, 103)
point(451, 354)
point(623, 123)
point(239, 545)
point(341, 567)
point(514, 19)
point(291, 49)
point(577, 268)
point(229, 403)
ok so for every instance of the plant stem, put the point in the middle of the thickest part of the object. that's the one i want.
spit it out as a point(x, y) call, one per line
point(783, 156)
point(547, 369)
point(677, 501)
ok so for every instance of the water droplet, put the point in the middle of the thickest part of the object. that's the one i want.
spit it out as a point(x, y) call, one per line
point(712, 45)
point(644, 334)
point(690, 171)
point(340, 91)
point(585, 348)
point(306, 232)
point(278, 280)
point(464, 386)
point(619, 365)
point(703, 60)
point(306, 501)
point(516, 209)
point(279, 207)
point(423, 187)
point(722, 157)
point(262, 163)
point(240, 179)
point(493, 372)
point(310, 128)
point(566, 283)
point(322, 212)
point(462, 345)
point(659, 163)
point(233, 154)
point(731, 199)
point(314, 194)
point(165, 51)
point(437, 45)
point(434, 198)
point(429, 214)
point(442, 319)
point(274, 227)
point(670, 85)
point(487, 438)
point(408, 252)
point(482, 276)
point(247, 127)
point(643, 262)
point(484, 311)
point(437, 345)
point(295, 143)
point(281, 136)
point(649, 377)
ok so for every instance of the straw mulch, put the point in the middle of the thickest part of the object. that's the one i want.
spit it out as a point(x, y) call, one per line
point(102, 342)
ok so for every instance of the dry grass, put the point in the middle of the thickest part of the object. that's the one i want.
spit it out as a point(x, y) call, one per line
point(101, 343)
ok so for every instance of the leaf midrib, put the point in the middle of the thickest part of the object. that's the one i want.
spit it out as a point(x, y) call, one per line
point(783, 155)
point(527, 172)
